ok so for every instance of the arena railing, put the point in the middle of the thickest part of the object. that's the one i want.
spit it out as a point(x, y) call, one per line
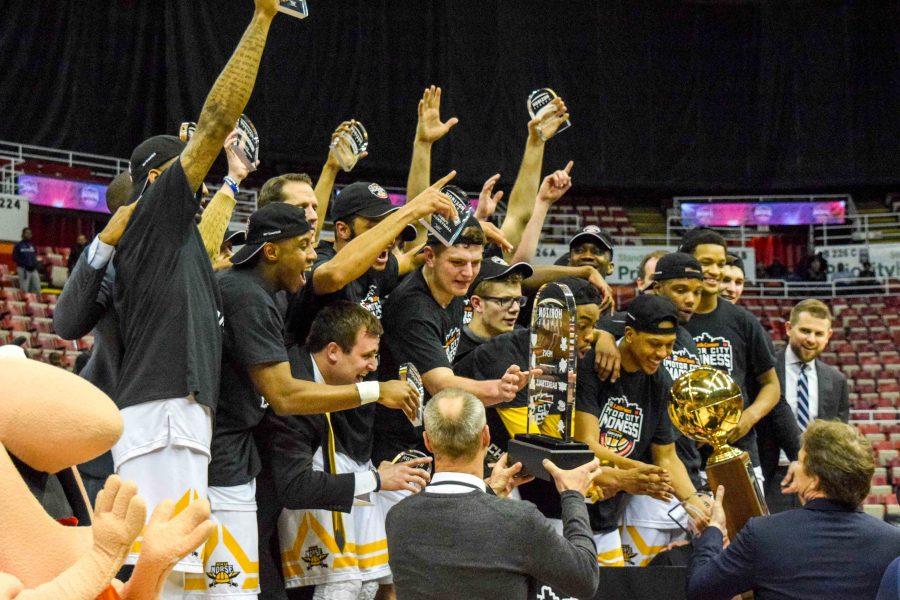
point(779, 288)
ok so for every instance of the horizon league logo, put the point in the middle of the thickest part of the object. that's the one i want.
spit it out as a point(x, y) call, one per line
point(373, 301)
point(451, 343)
point(715, 352)
point(620, 425)
point(681, 362)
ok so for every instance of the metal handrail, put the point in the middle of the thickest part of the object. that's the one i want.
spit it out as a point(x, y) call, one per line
point(858, 286)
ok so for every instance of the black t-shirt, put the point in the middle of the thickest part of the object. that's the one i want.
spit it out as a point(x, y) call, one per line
point(369, 291)
point(253, 336)
point(167, 300)
point(632, 413)
point(684, 358)
point(732, 340)
point(418, 330)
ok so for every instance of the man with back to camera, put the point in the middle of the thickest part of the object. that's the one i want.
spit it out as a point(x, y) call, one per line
point(731, 339)
point(732, 286)
point(168, 302)
point(315, 474)
point(255, 374)
point(812, 390)
point(678, 277)
point(828, 549)
point(27, 263)
point(626, 422)
point(456, 506)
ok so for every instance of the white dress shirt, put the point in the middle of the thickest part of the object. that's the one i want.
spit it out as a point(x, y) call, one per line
point(792, 375)
point(446, 481)
point(99, 254)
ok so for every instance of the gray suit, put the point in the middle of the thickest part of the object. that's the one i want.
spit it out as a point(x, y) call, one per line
point(779, 429)
point(85, 305)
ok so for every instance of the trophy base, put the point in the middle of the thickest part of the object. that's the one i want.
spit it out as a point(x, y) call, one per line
point(531, 449)
point(743, 495)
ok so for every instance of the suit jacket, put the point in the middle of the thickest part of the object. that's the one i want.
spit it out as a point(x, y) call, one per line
point(86, 305)
point(779, 429)
point(287, 480)
point(823, 550)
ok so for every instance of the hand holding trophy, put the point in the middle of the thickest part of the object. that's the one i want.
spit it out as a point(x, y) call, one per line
point(548, 113)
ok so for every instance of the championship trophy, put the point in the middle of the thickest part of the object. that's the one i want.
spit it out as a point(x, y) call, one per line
point(539, 107)
point(706, 406)
point(410, 374)
point(246, 146)
point(553, 390)
point(349, 144)
point(295, 8)
point(447, 230)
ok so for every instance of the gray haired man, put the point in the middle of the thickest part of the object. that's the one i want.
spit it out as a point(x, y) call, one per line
point(459, 505)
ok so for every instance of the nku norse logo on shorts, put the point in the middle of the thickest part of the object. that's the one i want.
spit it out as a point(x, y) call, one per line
point(222, 573)
point(620, 425)
point(314, 557)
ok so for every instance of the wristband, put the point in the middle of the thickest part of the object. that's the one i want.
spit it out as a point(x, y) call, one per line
point(232, 184)
point(369, 391)
point(377, 480)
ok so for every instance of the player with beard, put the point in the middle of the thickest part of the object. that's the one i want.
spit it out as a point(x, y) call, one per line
point(360, 266)
point(495, 299)
point(255, 374)
point(626, 423)
point(733, 279)
point(423, 320)
point(678, 277)
point(307, 465)
point(732, 340)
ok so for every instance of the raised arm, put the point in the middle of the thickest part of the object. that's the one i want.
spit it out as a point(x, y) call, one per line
point(228, 97)
point(521, 199)
point(217, 214)
point(552, 189)
point(325, 183)
point(359, 255)
point(490, 392)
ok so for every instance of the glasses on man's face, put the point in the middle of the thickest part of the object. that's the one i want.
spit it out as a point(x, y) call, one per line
point(506, 302)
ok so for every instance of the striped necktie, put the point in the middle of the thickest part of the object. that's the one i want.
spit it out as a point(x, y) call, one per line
point(803, 398)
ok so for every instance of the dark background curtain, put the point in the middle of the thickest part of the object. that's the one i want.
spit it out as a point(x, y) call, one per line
point(674, 96)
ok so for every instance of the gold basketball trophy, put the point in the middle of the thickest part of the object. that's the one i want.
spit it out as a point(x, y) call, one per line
point(706, 406)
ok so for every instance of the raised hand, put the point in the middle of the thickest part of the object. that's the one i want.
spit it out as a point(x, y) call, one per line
point(494, 235)
point(119, 515)
point(430, 128)
point(433, 201)
point(542, 128)
point(341, 148)
point(405, 475)
point(237, 170)
point(399, 395)
point(487, 203)
point(555, 185)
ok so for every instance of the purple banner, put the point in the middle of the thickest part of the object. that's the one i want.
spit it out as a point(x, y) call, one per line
point(735, 214)
point(63, 193)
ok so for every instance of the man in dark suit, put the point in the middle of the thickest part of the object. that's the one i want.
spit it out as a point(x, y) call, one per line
point(810, 390)
point(827, 549)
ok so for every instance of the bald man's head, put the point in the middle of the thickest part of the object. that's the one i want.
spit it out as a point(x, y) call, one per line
point(454, 425)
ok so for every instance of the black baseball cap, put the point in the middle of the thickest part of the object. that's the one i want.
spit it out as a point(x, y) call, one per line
point(497, 268)
point(152, 153)
point(236, 237)
point(733, 260)
point(592, 233)
point(677, 265)
point(652, 314)
point(272, 222)
point(368, 200)
point(583, 291)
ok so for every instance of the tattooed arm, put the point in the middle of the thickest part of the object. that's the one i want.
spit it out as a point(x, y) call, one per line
point(228, 97)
